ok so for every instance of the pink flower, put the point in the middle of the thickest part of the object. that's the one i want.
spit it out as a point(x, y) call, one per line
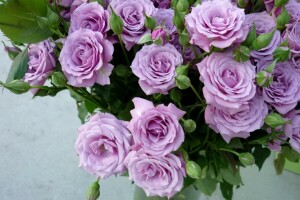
point(102, 145)
point(156, 129)
point(217, 23)
point(157, 175)
point(85, 58)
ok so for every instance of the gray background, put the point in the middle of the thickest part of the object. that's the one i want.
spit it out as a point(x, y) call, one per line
point(38, 161)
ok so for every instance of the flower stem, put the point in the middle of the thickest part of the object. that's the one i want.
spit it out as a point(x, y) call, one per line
point(123, 49)
point(196, 93)
point(228, 150)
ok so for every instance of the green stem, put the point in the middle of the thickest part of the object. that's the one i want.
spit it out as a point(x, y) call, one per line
point(123, 49)
point(196, 93)
point(229, 150)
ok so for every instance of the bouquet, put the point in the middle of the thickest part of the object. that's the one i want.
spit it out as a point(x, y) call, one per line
point(173, 94)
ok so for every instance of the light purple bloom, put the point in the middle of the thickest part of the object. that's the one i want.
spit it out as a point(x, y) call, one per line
point(90, 16)
point(296, 62)
point(155, 66)
point(239, 124)
point(162, 3)
point(133, 12)
point(217, 23)
point(293, 130)
point(156, 129)
point(102, 145)
point(165, 17)
point(284, 91)
point(160, 34)
point(68, 3)
point(264, 23)
point(42, 61)
point(293, 8)
point(84, 58)
point(292, 34)
point(228, 84)
point(158, 175)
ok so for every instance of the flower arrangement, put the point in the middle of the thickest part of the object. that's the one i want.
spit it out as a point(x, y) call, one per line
point(171, 94)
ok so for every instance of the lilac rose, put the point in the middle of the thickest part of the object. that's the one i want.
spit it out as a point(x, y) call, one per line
point(293, 8)
point(90, 16)
point(156, 67)
point(239, 124)
point(162, 3)
point(69, 6)
point(296, 62)
point(165, 17)
point(217, 23)
point(292, 130)
point(292, 34)
point(102, 145)
point(156, 129)
point(157, 175)
point(41, 63)
point(84, 58)
point(284, 91)
point(133, 12)
point(228, 84)
point(264, 23)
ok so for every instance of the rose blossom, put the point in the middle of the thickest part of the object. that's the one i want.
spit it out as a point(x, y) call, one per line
point(41, 62)
point(133, 12)
point(90, 16)
point(228, 84)
point(162, 3)
point(293, 36)
point(102, 145)
point(155, 66)
point(217, 23)
point(160, 34)
point(84, 58)
point(239, 124)
point(296, 62)
point(69, 7)
point(293, 130)
point(165, 17)
point(264, 23)
point(157, 175)
point(284, 91)
point(293, 8)
point(156, 129)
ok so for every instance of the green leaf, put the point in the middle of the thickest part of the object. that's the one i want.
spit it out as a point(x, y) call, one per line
point(58, 79)
point(241, 54)
point(82, 112)
point(250, 37)
point(122, 70)
point(182, 6)
point(279, 163)
point(116, 23)
point(18, 20)
point(227, 190)
point(262, 40)
point(145, 39)
point(279, 3)
point(150, 22)
point(182, 70)
point(260, 154)
point(19, 67)
point(231, 176)
point(282, 19)
point(290, 154)
point(176, 95)
point(206, 186)
point(282, 54)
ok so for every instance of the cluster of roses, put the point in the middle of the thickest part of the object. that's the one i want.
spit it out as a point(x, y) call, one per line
point(236, 105)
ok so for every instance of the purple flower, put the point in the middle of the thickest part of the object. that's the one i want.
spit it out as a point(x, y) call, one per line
point(217, 23)
point(293, 7)
point(239, 124)
point(293, 36)
point(165, 17)
point(264, 23)
point(266, 53)
point(296, 62)
point(162, 3)
point(68, 3)
point(90, 16)
point(102, 145)
point(284, 91)
point(84, 58)
point(133, 12)
point(160, 34)
point(227, 84)
point(293, 130)
point(42, 61)
point(155, 66)
point(157, 175)
point(156, 129)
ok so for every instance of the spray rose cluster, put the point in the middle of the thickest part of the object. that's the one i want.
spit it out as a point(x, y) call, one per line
point(176, 93)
